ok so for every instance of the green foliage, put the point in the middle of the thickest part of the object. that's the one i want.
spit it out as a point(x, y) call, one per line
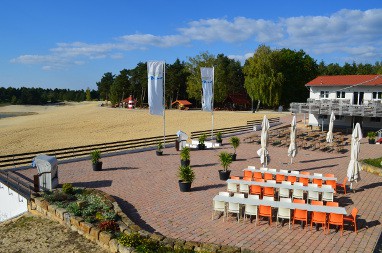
point(160, 146)
point(131, 240)
point(186, 174)
point(74, 209)
point(371, 135)
point(57, 196)
point(105, 84)
point(120, 87)
point(202, 138)
point(88, 95)
point(68, 188)
point(95, 156)
point(225, 160)
point(176, 79)
point(235, 142)
point(185, 154)
point(218, 136)
point(377, 162)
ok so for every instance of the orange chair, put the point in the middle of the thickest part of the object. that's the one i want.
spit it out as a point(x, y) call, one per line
point(255, 190)
point(292, 179)
point(266, 211)
point(257, 175)
point(335, 204)
point(352, 218)
point(268, 176)
point(248, 173)
point(269, 191)
point(247, 178)
point(304, 181)
point(305, 173)
point(336, 219)
point(280, 178)
point(317, 181)
point(343, 185)
point(301, 215)
point(332, 183)
point(235, 177)
point(328, 175)
point(318, 217)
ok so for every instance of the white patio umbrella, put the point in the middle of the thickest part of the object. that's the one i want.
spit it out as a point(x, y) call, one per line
point(263, 152)
point(329, 135)
point(354, 166)
point(292, 150)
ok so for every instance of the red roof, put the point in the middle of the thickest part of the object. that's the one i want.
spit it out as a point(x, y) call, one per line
point(346, 80)
point(182, 102)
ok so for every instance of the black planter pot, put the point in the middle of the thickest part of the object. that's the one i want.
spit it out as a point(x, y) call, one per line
point(220, 142)
point(97, 166)
point(224, 175)
point(233, 157)
point(201, 146)
point(185, 163)
point(184, 186)
point(159, 153)
point(371, 141)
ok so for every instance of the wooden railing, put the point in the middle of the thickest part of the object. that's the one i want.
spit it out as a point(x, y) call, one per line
point(24, 159)
point(15, 183)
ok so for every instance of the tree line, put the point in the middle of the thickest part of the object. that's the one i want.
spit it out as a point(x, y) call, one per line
point(39, 96)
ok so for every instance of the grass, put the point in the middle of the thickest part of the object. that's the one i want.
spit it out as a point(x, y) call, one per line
point(377, 162)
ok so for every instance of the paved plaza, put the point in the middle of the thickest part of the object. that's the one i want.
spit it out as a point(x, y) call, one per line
point(146, 187)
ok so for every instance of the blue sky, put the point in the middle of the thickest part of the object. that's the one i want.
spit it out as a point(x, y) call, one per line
point(71, 44)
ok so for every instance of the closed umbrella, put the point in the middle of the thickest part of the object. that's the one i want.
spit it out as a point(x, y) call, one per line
point(354, 166)
point(292, 150)
point(263, 152)
point(329, 135)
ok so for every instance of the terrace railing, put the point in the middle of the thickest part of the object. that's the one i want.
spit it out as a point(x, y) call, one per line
point(25, 159)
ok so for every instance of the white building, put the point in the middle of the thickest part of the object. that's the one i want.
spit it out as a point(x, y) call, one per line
point(353, 98)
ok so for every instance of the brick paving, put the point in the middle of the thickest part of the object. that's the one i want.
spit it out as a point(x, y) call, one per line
point(146, 187)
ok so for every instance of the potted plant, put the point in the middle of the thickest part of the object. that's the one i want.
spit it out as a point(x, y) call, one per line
point(159, 150)
point(235, 142)
point(202, 139)
point(371, 136)
point(219, 138)
point(186, 177)
point(185, 156)
point(96, 163)
point(225, 161)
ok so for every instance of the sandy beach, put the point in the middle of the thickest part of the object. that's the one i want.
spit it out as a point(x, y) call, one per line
point(75, 124)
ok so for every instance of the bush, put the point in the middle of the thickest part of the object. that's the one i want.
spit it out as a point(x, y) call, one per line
point(186, 174)
point(377, 162)
point(74, 209)
point(67, 188)
point(131, 240)
point(95, 155)
point(109, 225)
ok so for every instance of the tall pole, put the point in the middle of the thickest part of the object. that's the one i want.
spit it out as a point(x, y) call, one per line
point(212, 107)
point(164, 104)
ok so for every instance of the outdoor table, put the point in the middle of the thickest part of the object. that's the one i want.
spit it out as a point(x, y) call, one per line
point(278, 204)
point(285, 186)
point(290, 174)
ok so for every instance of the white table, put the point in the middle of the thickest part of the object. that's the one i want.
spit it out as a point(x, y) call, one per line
point(290, 174)
point(277, 204)
point(285, 186)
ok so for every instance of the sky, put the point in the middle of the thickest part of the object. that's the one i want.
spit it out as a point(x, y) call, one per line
point(71, 44)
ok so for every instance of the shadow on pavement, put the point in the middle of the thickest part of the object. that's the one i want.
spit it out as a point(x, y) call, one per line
point(206, 187)
point(120, 168)
point(93, 184)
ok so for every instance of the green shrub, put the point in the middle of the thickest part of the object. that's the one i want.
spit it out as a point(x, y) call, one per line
point(186, 174)
point(131, 240)
point(95, 156)
point(74, 209)
point(67, 188)
point(377, 162)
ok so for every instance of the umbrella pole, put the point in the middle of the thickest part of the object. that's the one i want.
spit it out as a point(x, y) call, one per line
point(291, 160)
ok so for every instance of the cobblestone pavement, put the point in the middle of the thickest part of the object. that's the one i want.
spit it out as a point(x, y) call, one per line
point(146, 186)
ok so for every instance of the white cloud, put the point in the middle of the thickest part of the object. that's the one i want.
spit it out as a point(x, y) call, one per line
point(241, 58)
point(353, 33)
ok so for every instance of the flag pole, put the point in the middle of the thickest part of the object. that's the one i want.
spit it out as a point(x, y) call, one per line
point(212, 111)
point(164, 104)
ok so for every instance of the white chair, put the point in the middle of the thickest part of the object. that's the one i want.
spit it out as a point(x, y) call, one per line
point(317, 174)
point(251, 209)
point(251, 167)
point(235, 207)
point(272, 170)
point(284, 171)
point(295, 172)
point(298, 193)
point(232, 187)
point(313, 195)
point(271, 181)
point(284, 192)
point(268, 198)
point(283, 212)
point(220, 206)
point(244, 188)
point(327, 196)
point(263, 169)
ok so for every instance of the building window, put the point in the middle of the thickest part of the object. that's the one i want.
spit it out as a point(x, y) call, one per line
point(324, 94)
point(375, 119)
point(340, 117)
point(377, 95)
point(340, 94)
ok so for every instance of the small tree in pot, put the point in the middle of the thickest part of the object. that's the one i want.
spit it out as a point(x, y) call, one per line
point(202, 139)
point(225, 161)
point(159, 150)
point(186, 177)
point(219, 138)
point(95, 156)
point(185, 156)
point(371, 136)
point(235, 142)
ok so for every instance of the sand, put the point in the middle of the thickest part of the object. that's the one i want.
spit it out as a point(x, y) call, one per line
point(75, 124)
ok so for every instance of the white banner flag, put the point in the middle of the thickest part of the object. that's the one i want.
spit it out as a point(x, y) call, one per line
point(207, 85)
point(155, 87)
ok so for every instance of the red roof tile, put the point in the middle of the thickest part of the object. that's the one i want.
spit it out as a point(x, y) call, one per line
point(182, 102)
point(346, 80)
